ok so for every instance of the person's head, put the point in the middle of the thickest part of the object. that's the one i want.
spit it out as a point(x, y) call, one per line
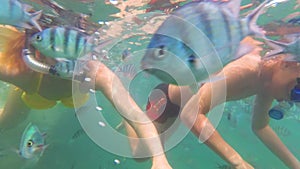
point(11, 45)
point(12, 42)
point(280, 77)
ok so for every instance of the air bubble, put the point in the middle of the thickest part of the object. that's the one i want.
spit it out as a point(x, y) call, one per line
point(102, 124)
point(114, 2)
point(99, 108)
point(117, 162)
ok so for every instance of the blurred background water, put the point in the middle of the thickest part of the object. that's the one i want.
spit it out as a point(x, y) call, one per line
point(69, 146)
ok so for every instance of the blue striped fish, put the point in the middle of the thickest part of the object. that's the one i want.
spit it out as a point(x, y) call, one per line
point(61, 42)
point(14, 13)
point(63, 68)
point(199, 36)
point(65, 45)
point(32, 144)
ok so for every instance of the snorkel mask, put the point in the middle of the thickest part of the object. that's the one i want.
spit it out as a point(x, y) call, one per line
point(295, 92)
point(278, 111)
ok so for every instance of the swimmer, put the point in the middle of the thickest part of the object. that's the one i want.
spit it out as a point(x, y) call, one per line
point(41, 91)
point(31, 90)
point(250, 75)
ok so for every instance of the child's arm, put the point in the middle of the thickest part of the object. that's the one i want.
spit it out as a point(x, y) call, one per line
point(266, 134)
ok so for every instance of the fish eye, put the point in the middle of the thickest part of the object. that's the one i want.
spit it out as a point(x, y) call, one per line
point(160, 52)
point(29, 143)
point(38, 37)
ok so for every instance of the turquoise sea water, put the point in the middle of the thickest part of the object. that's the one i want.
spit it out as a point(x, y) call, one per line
point(70, 148)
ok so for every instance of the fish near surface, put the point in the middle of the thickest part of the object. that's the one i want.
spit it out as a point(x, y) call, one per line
point(197, 40)
point(13, 12)
point(32, 144)
point(65, 45)
point(61, 42)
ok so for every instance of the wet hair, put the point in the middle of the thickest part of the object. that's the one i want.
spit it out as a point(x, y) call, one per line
point(11, 45)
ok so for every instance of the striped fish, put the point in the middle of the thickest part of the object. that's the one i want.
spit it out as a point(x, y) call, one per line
point(198, 39)
point(63, 68)
point(61, 42)
point(33, 143)
point(14, 13)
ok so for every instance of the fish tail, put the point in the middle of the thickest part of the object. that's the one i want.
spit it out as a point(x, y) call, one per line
point(278, 48)
point(34, 17)
point(252, 18)
point(11, 44)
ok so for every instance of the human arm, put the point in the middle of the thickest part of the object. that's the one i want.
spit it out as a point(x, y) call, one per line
point(265, 133)
point(206, 132)
point(111, 86)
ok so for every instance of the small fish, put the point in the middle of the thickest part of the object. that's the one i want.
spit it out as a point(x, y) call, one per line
point(61, 42)
point(232, 117)
point(196, 37)
point(292, 48)
point(78, 134)
point(163, 5)
point(223, 166)
point(127, 70)
point(282, 131)
point(65, 45)
point(64, 68)
point(32, 143)
point(125, 54)
point(13, 12)
point(295, 21)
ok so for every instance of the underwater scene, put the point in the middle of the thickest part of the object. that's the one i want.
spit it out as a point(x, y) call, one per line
point(140, 84)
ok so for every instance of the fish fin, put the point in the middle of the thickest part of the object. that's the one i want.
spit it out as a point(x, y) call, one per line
point(252, 18)
point(24, 25)
point(34, 17)
point(243, 49)
point(271, 54)
point(233, 6)
point(43, 149)
point(277, 46)
point(15, 150)
point(27, 7)
point(290, 58)
point(62, 59)
point(44, 134)
point(292, 37)
point(28, 126)
point(77, 29)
